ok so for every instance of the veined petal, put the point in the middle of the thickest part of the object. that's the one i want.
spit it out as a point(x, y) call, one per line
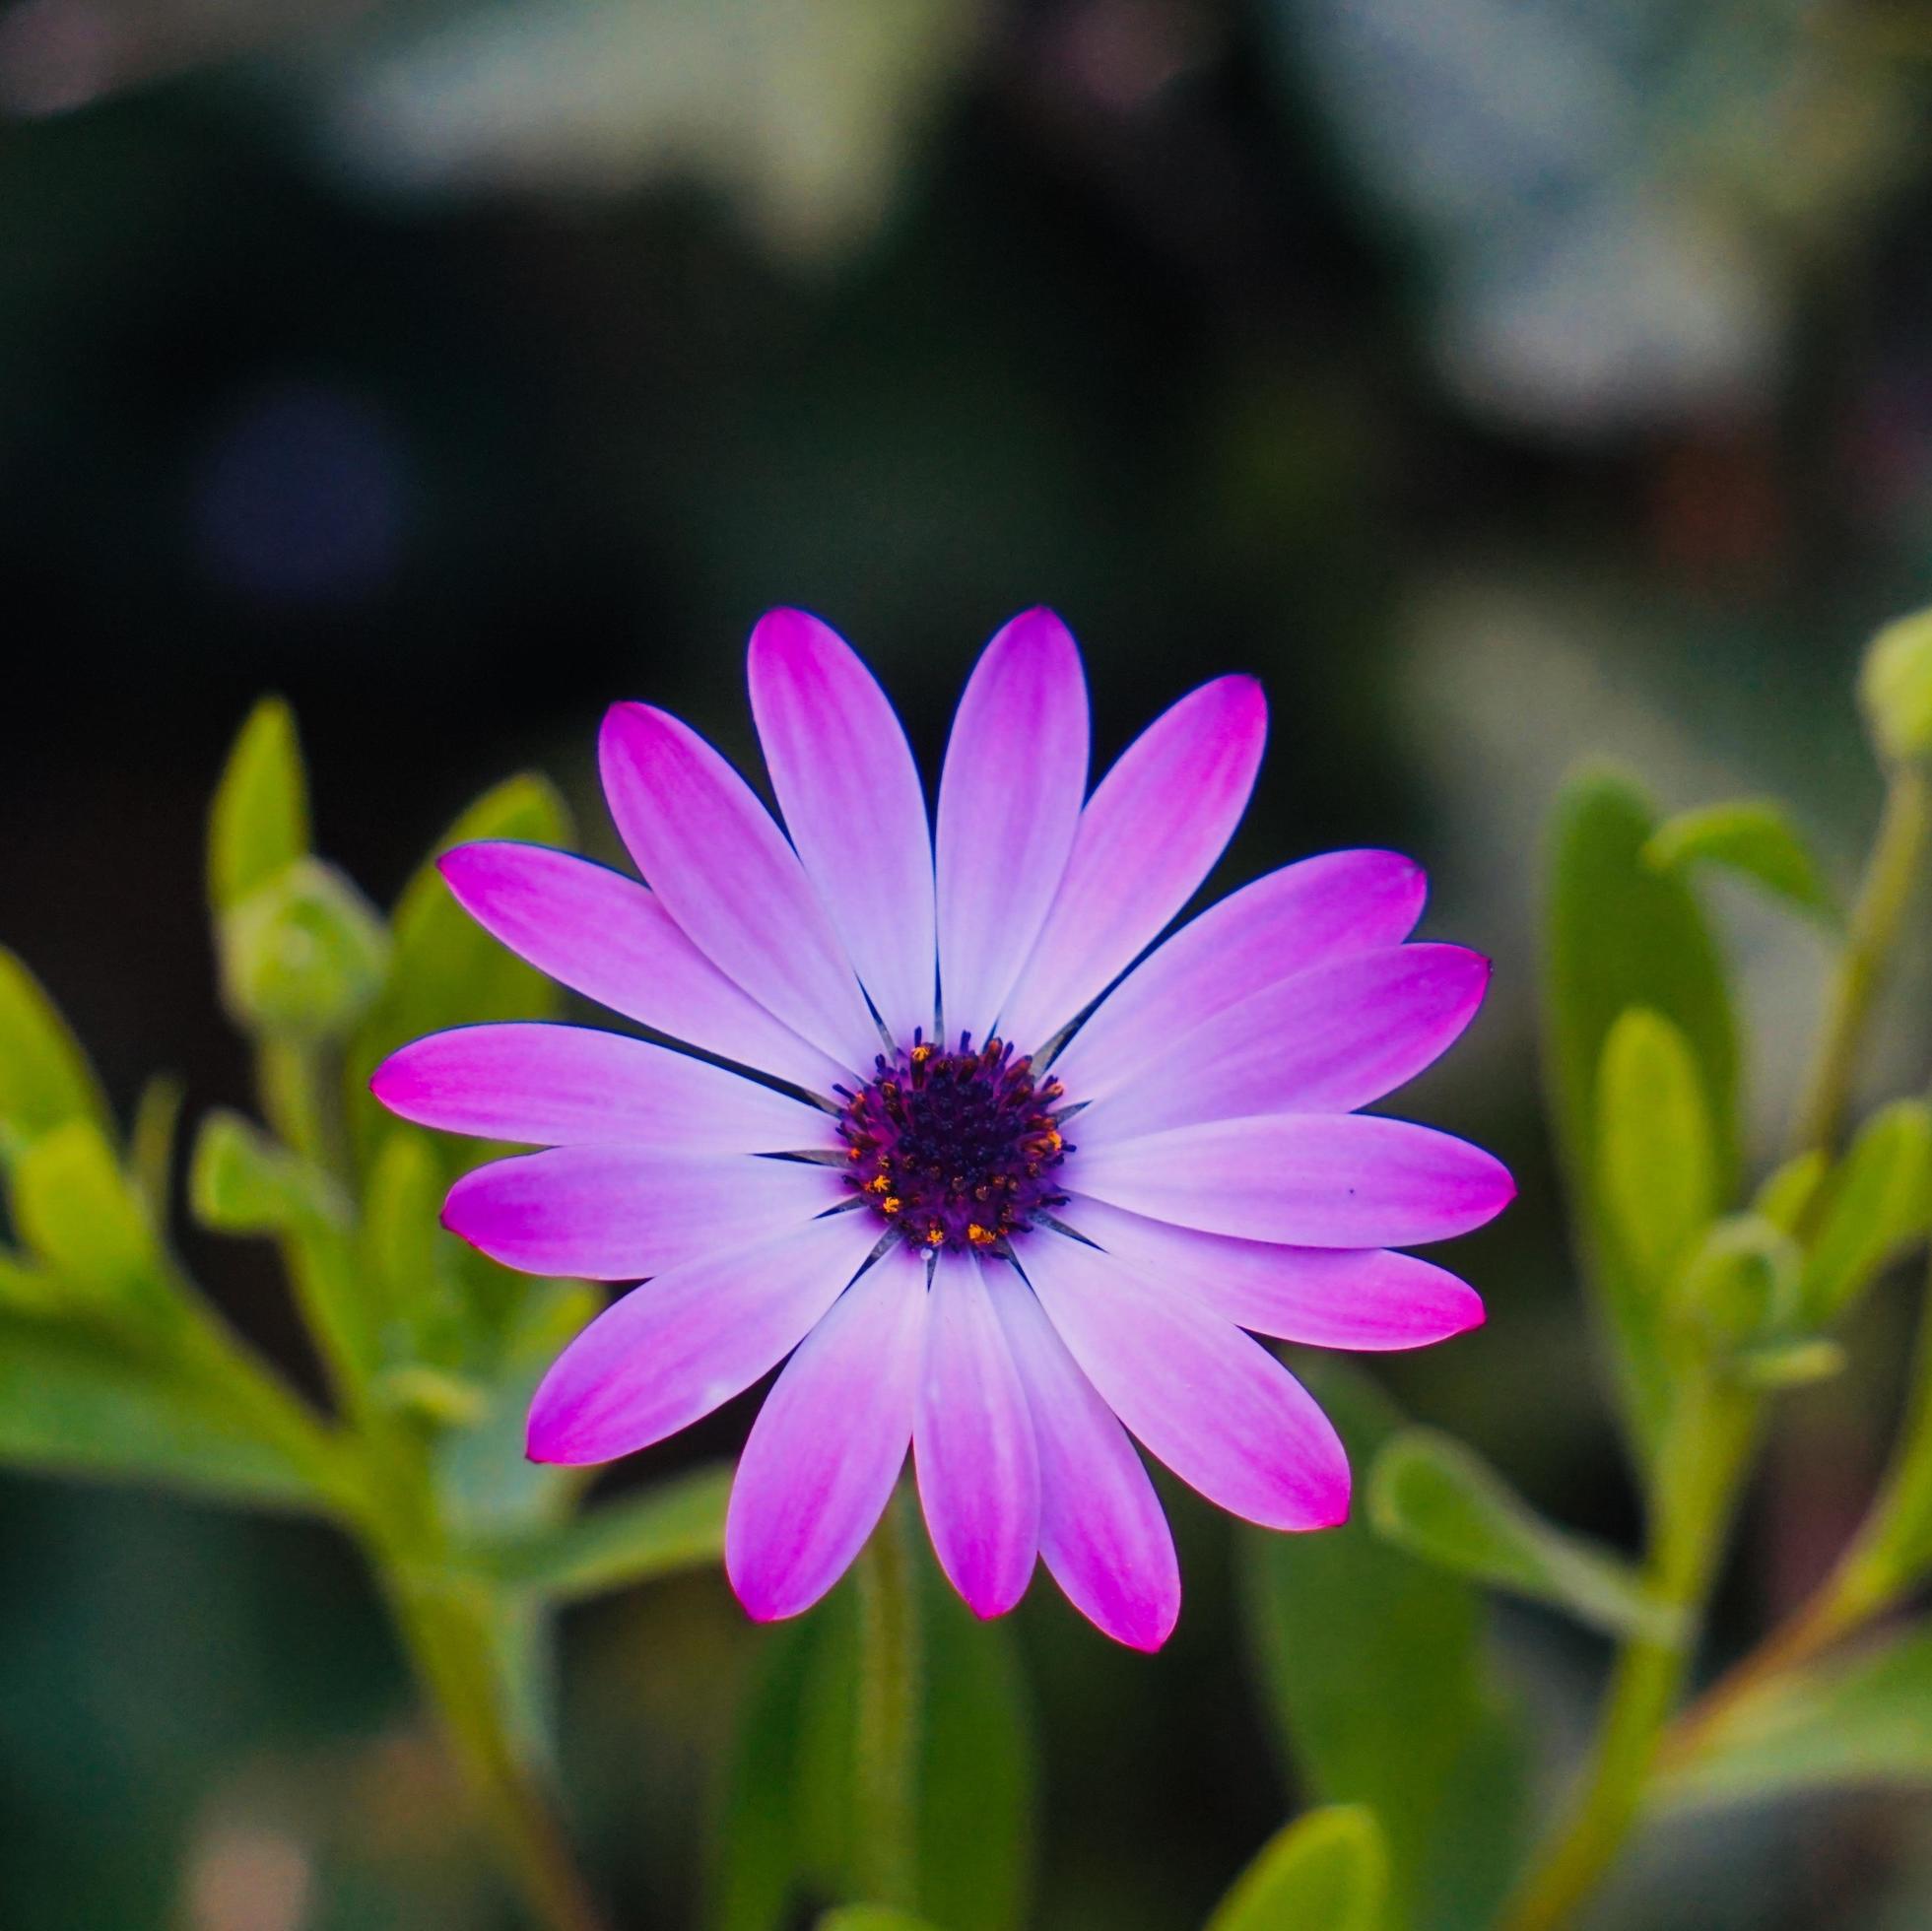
point(572, 1085)
point(709, 851)
point(671, 1351)
point(1327, 1041)
point(1149, 835)
point(1202, 1396)
point(853, 805)
point(622, 1213)
point(973, 1446)
point(604, 935)
point(1293, 919)
point(829, 1444)
point(1361, 1298)
point(1308, 1179)
point(1009, 801)
point(1101, 1533)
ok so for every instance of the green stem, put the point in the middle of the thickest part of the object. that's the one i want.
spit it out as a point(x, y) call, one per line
point(1701, 1463)
point(887, 1769)
point(302, 1102)
point(1891, 873)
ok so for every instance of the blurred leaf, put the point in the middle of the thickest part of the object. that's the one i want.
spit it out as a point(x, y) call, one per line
point(410, 1258)
point(1896, 688)
point(151, 1145)
point(872, 1917)
point(1785, 1198)
point(1788, 1364)
point(44, 1078)
point(241, 1182)
point(1655, 1166)
point(1438, 1499)
point(431, 1396)
point(676, 1525)
point(445, 969)
point(1875, 1204)
point(82, 1217)
point(1620, 934)
point(1754, 838)
point(787, 1822)
point(302, 955)
point(78, 1402)
point(259, 825)
point(1436, 1752)
point(1860, 1719)
point(1327, 1871)
point(1741, 1286)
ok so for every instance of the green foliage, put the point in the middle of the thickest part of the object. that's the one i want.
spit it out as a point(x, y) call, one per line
point(84, 1218)
point(1741, 1286)
point(1861, 1719)
point(788, 1822)
point(1620, 934)
point(1754, 838)
point(44, 1078)
point(1327, 1871)
point(302, 956)
point(1432, 1495)
point(1876, 1203)
point(1787, 1194)
point(1436, 1751)
point(1895, 689)
point(241, 1182)
point(872, 1917)
point(259, 823)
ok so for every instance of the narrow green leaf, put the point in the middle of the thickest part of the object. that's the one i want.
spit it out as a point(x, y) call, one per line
point(432, 1397)
point(44, 1077)
point(1327, 1871)
point(151, 1144)
point(241, 1182)
point(758, 1853)
point(1788, 1364)
point(1786, 1196)
point(1877, 1203)
point(259, 823)
point(1754, 838)
point(1435, 1498)
point(1620, 934)
point(1862, 1720)
point(872, 1917)
point(1656, 1165)
point(1436, 1752)
point(302, 955)
point(77, 1402)
point(82, 1217)
point(677, 1525)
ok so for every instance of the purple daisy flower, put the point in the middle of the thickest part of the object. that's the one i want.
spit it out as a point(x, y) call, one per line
point(993, 1187)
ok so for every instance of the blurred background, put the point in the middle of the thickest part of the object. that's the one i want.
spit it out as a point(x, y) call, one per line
point(1504, 381)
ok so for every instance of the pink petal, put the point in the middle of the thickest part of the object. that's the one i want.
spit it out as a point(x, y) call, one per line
point(1362, 1297)
point(1284, 923)
point(853, 804)
point(829, 1444)
point(1102, 1532)
point(622, 1213)
point(671, 1351)
point(710, 851)
point(1008, 802)
point(1310, 1179)
point(1326, 1040)
point(570, 1086)
point(1214, 1405)
point(603, 935)
point(973, 1446)
point(1150, 835)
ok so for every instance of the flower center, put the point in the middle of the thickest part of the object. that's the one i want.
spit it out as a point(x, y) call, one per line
point(953, 1148)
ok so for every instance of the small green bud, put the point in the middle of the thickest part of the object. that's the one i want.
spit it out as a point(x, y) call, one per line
point(303, 957)
point(1895, 689)
point(240, 1181)
point(1742, 1283)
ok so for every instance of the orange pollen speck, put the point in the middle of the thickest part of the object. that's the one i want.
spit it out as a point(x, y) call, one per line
point(920, 1054)
point(935, 1235)
point(891, 1204)
point(980, 1237)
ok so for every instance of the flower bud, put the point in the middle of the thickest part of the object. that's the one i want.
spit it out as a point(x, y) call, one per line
point(1895, 689)
point(303, 956)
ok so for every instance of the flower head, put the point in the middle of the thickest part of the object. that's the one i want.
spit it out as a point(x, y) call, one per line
point(991, 1184)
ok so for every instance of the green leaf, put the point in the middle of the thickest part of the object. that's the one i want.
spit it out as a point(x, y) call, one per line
point(1436, 1751)
point(1858, 1720)
point(241, 1182)
point(1435, 1498)
point(44, 1077)
point(872, 1917)
point(1620, 934)
point(1655, 1161)
point(1327, 1871)
point(788, 1819)
point(1877, 1203)
point(151, 1143)
point(1741, 1286)
point(84, 1217)
point(302, 955)
point(1786, 1196)
point(1754, 838)
point(1895, 687)
point(78, 1402)
point(259, 825)
point(1788, 1364)
point(446, 971)
point(675, 1526)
